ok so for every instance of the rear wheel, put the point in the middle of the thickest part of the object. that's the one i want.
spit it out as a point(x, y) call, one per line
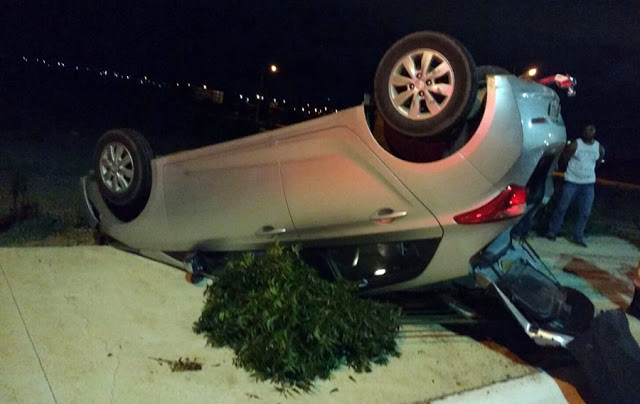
point(122, 163)
point(425, 84)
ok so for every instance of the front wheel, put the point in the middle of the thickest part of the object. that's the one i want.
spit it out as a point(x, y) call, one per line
point(122, 163)
point(425, 84)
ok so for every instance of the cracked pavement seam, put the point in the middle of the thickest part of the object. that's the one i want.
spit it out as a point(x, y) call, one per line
point(113, 383)
point(24, 324)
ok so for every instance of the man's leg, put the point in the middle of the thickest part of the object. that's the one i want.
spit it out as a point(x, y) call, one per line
point(584, 195)
point(567, 193)
point(521, 229)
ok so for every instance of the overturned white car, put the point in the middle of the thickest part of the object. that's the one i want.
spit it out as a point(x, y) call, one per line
point(423, 187)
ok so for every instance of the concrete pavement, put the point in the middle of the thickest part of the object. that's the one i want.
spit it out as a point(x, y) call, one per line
point(84, 324)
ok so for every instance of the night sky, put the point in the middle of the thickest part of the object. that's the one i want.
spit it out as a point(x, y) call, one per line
point(330, 49)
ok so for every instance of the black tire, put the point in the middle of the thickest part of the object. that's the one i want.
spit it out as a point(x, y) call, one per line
point(485, 70)
point(452, 92)
point(582, 312)
point(478, 103)
point(122, 164)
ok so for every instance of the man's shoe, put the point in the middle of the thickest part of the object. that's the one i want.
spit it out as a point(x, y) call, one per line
point(550, 236)
point(581, 243)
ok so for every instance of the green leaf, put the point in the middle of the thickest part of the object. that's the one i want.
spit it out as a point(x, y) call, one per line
point(286, 324)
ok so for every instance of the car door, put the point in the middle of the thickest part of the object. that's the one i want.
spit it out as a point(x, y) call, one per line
point(339, 192)
point(227, 196)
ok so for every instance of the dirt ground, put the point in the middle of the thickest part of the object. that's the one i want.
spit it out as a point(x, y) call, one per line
point(39, 185)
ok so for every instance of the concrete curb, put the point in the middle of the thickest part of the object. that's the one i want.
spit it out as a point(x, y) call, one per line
point(535, 388)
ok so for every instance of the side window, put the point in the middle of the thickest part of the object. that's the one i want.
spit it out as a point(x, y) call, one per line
point(375, 265)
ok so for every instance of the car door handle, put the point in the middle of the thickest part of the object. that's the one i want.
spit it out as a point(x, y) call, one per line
point(266, 231)
point(387, 215)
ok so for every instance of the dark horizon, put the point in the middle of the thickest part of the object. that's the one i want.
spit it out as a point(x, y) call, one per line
point(87, 104)
point(330, 51)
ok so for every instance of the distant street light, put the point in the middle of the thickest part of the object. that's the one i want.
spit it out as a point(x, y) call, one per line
point(529, 73)
point(273, 69)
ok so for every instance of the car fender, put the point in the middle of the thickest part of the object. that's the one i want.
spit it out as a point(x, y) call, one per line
point(500, 130)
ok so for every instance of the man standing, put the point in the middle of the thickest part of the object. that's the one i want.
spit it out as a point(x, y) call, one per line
point(583, 157)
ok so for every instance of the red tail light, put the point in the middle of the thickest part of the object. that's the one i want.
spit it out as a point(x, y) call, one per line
point(511, 202)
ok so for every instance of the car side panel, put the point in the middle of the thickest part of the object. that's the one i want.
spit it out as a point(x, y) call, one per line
point(147, 231)
point(497, 144)
point(448, 187)
point(227, 197)
point(333, 185)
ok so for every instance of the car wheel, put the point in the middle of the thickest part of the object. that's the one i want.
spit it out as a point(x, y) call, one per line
point(122, 163)
point(425, 84)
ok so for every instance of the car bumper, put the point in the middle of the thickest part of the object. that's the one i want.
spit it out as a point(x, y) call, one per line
point(90, 213)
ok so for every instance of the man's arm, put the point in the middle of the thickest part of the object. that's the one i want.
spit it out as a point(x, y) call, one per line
point(600, 157)
point(567, 153)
